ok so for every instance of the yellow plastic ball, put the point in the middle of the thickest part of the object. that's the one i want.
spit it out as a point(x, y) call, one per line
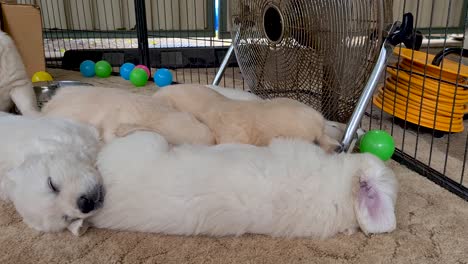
point(41, 76)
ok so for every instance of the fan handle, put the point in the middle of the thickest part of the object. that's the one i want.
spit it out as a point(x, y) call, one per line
point(223, 66)
point(399, 33)
point(224, 63)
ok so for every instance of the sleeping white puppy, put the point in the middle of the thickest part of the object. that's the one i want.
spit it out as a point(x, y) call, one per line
point(47, 170)
point(15, 85)
point(290, 188)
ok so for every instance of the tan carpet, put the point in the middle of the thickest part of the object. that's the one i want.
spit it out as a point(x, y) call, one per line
point(432, 228)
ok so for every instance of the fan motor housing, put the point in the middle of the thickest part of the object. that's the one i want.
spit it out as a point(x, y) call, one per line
point(273, 24)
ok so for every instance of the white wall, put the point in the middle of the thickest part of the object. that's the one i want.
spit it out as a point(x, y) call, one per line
point(115, 14)
point(172, 14)
point(439, 15)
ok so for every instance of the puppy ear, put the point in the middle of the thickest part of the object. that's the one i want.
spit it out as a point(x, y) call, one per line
point(374, 204)
point(13, 175)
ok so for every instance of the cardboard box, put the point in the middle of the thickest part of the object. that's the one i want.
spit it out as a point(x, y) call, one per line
point(23, 23)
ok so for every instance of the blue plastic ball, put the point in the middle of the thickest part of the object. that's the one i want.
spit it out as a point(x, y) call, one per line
point(126, 69)
point(87, 68)
point(162, 77)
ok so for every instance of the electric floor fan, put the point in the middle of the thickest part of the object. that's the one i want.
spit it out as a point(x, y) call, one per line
point(327, 54)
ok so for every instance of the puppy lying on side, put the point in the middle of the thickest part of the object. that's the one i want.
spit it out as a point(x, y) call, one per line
point(47, 170)
point(290, 188)
point(333, 129)
point(112, 109)
point(254, 122)
point(15, 85)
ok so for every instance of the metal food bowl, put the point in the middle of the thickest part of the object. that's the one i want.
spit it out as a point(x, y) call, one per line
point(46, 90)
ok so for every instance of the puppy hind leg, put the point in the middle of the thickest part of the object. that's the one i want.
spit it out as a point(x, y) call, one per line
point(239, 136)
point(184, 128)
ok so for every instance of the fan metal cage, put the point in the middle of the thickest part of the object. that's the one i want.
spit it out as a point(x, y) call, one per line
point(319, 52)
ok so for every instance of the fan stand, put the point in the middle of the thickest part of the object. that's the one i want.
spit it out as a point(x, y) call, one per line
point(399, 33)
point(223, 66)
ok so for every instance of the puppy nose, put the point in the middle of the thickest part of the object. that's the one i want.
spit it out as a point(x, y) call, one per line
point(92, 200)
point(85, 204)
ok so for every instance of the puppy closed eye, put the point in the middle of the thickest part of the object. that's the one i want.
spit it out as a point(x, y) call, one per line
point(52, 186)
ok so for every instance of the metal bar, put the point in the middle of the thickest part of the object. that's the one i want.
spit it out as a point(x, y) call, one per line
point(142, 33)
point(409, 83)
point(462, 24)
point(2, 25)
point(438, 89)
point(365, 98)
point(126, 33)
point(425, 77)
point(223, 66)
point(433, 175)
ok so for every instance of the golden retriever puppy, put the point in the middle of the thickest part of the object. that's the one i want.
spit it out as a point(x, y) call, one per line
point(112, 109)
point(254, 122)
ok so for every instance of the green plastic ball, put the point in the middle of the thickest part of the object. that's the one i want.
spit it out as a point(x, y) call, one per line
point(138, 77)
point(103, 69)
point(378, 142)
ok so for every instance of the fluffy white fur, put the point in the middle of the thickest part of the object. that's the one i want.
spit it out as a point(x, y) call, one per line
point(290, 188)
point(15, 85)
point(111, 110)
point(34, 150)
point(254, 122)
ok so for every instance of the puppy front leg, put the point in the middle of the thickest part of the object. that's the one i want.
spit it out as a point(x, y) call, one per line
point(126, 129)
point(173, 137)
point(25, 99)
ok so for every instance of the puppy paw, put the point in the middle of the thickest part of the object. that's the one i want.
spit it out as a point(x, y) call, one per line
point(350, 231)
point(328, 144)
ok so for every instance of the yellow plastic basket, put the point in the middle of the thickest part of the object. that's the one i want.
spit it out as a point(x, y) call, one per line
point(425, 94)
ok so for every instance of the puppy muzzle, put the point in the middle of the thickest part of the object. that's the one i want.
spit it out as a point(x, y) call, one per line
point(92, 200)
